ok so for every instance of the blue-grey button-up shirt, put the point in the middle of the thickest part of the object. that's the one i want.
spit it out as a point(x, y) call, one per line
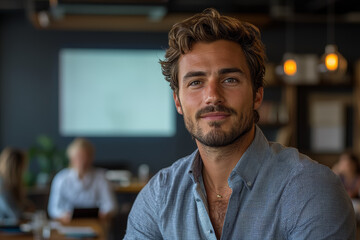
point(277, 193)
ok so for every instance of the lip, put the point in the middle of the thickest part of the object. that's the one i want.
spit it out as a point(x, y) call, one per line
point(215, 116)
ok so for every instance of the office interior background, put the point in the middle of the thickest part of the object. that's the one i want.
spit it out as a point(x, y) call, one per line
point(34, 34)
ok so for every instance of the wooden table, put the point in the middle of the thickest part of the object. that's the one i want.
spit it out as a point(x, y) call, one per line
point(133, 187)
point(98, 227)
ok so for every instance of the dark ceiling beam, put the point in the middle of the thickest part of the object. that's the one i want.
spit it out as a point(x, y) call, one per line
point(51, 14)
point(12, 4)
point(126, 22)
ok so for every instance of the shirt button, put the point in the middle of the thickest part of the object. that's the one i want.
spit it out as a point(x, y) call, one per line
point(198, 200)
point(249, 183)
point(211, 231)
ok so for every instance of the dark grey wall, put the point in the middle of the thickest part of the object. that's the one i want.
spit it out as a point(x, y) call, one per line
point(29, 92)
point(29, 83)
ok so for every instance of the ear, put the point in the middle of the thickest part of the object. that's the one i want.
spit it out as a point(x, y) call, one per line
point(177, 103)
point(258, 98)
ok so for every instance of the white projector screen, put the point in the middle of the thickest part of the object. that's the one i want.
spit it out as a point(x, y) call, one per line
point(111, 92)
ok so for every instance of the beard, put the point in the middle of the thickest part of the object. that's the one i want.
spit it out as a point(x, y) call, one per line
point(217, 137)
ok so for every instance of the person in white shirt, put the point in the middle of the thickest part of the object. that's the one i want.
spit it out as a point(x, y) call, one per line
point(81, 185)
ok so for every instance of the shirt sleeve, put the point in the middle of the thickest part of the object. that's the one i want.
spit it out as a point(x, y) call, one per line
point(56, 205)
point(317, 207)
point(107, 196)
point(143, 221)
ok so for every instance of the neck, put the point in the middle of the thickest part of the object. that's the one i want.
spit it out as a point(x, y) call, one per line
point(218, 162)
point(82, 172)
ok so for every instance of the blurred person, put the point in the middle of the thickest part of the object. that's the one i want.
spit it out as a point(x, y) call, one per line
point(236, 184)
point(13, 203)
point(348, 169)
point(81, 185)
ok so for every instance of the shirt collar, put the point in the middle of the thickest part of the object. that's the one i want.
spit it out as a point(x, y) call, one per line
point(195, 169)
point(87, 176)
point(247, 167)
point(251, 161)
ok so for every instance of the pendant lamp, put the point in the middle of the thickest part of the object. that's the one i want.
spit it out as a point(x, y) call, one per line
point(333, 65)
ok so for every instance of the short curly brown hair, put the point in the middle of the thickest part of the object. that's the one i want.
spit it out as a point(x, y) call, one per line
point(210, 26)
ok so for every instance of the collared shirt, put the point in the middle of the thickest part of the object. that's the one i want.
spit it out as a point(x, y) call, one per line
point(277, 193)
point(68, 191)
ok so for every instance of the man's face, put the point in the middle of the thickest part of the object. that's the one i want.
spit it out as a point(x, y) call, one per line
point(215, 93)
point(81, 159)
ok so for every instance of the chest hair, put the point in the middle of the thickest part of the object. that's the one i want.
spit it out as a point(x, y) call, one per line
point(217, 212)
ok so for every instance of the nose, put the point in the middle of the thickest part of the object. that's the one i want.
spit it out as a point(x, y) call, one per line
point(213, 93)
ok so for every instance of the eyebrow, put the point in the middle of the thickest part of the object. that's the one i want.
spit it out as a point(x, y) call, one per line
point(194, 74)
point(230, 70)
point(220, 72)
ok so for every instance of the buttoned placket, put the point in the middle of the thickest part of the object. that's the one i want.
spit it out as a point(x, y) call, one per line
point(203, 213)
point(236, 184)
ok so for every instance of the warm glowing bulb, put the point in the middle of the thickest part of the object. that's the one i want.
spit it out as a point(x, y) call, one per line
point(290, 67)
point(331, 61)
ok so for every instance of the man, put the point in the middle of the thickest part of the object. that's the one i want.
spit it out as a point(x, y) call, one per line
point(236, 185)
point(81, 185)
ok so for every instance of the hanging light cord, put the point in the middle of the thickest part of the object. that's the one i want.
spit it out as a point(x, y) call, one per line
point(330, 22)
point(290, 26)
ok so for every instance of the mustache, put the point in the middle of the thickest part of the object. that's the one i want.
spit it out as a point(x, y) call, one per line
point(216, 108)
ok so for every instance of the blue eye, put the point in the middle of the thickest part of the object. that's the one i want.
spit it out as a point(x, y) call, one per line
point(194, 83)
point(230, 80)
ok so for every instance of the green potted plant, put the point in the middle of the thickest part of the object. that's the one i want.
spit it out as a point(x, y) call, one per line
point(45, 160)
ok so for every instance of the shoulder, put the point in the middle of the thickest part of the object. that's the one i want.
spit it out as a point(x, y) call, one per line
point(99, 176)
point(61, 176)
point(300, 170)
point(174, 173)
point(99, 172)
point(145, 216)
point(64, 172)
point(313, 179)
point(298, 165)
point(163, 184)
point(306, 180)
point(299, 177)
point(313, 196)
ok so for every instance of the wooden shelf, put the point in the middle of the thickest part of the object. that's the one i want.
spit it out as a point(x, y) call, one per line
point(298, 98)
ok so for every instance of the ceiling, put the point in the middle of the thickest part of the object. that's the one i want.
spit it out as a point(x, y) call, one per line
point(160, 15)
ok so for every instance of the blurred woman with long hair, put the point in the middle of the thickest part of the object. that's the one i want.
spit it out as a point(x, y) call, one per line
point(13, 163)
